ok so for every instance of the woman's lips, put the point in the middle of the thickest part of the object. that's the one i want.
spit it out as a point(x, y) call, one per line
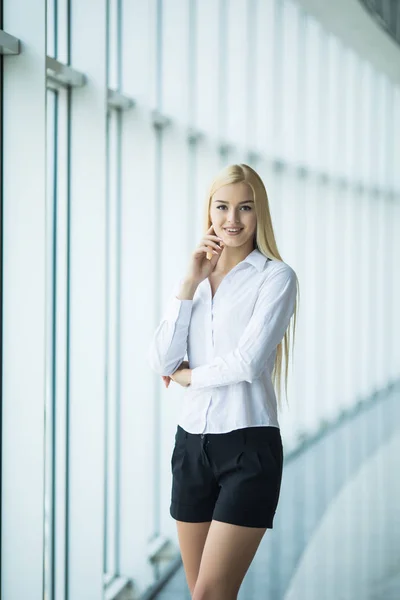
point(233, 233)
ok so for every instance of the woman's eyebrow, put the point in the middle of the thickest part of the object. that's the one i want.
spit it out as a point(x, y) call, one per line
point(226, 202)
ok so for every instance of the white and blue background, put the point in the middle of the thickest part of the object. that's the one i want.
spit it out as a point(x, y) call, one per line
point(115, 116)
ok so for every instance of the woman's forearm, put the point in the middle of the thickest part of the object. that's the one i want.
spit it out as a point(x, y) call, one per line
point(187, 290)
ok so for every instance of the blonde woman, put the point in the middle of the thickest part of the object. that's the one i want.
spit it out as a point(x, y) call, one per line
point(231, 315)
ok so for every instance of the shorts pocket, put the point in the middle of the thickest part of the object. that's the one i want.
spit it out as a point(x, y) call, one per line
point(178, 454)
point(257, 461)
point(271, 445)
point(270, 458)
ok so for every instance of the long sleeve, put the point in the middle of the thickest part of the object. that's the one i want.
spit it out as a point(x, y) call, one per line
point(266, 328)
point(168, 347)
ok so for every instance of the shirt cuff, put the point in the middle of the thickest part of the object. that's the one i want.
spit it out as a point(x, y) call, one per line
point(179, 310)
point(198, 378)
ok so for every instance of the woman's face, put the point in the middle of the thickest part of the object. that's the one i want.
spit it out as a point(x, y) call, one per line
point(232, 207)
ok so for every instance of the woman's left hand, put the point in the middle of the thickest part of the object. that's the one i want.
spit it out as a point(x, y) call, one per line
point(183, 375)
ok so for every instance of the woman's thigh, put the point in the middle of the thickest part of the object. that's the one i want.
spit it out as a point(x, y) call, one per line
point(192, 537)
point(227, 555)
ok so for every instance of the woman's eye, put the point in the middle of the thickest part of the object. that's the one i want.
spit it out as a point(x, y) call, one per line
point(223, 206)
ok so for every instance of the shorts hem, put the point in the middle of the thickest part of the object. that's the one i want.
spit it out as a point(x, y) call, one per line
point(241, 515)
point(190, 514)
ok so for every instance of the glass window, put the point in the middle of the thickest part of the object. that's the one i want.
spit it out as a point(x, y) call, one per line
point(349, 147)
point(208, 70)
point(112, 417)
point(174, 59)
point(236, 63)
point(396, 138)
point(264, 77)
point(312, 92)
point(290, 74)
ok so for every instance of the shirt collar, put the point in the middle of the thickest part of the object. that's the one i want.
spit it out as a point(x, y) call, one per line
point(257, 259)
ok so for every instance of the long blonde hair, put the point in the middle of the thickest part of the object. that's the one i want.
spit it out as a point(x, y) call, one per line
point(265, 242)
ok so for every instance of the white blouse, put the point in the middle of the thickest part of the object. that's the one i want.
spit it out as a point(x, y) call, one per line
point(230, 342)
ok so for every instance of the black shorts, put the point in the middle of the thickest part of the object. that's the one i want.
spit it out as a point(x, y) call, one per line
point(233, 477)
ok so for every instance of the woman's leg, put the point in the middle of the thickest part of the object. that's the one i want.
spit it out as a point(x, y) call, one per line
point(192, 537)
point(227, 555)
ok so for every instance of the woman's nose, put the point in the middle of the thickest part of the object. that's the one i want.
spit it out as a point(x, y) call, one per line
point(233, 217)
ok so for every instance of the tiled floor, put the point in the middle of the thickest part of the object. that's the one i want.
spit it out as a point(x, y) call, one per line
point(310, 481)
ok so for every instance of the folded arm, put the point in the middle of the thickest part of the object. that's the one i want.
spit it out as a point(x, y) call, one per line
point(265, 330)
point(168, 347)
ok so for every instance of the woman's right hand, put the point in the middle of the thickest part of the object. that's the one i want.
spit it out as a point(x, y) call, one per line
point(200, 265)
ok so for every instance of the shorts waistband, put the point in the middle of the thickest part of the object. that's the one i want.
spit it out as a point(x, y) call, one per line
point(242, 434)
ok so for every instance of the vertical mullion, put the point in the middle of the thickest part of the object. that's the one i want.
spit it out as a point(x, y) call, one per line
point(51, 195)
point(60, 336)
point(107, 345)
point(1, 296)
point(67, 347)
point(158, 164)
point(112, 351)
point(54, 255)
point(118, 300)
point(107, 306)
point(251, 70)
point(192, 115)
point(119, 44)
point(222, 70)
point(277, 51)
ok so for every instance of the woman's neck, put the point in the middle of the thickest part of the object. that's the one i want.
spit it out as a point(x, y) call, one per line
point(229, 258)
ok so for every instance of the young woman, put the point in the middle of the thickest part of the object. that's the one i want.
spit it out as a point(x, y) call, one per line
point(230, 314)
